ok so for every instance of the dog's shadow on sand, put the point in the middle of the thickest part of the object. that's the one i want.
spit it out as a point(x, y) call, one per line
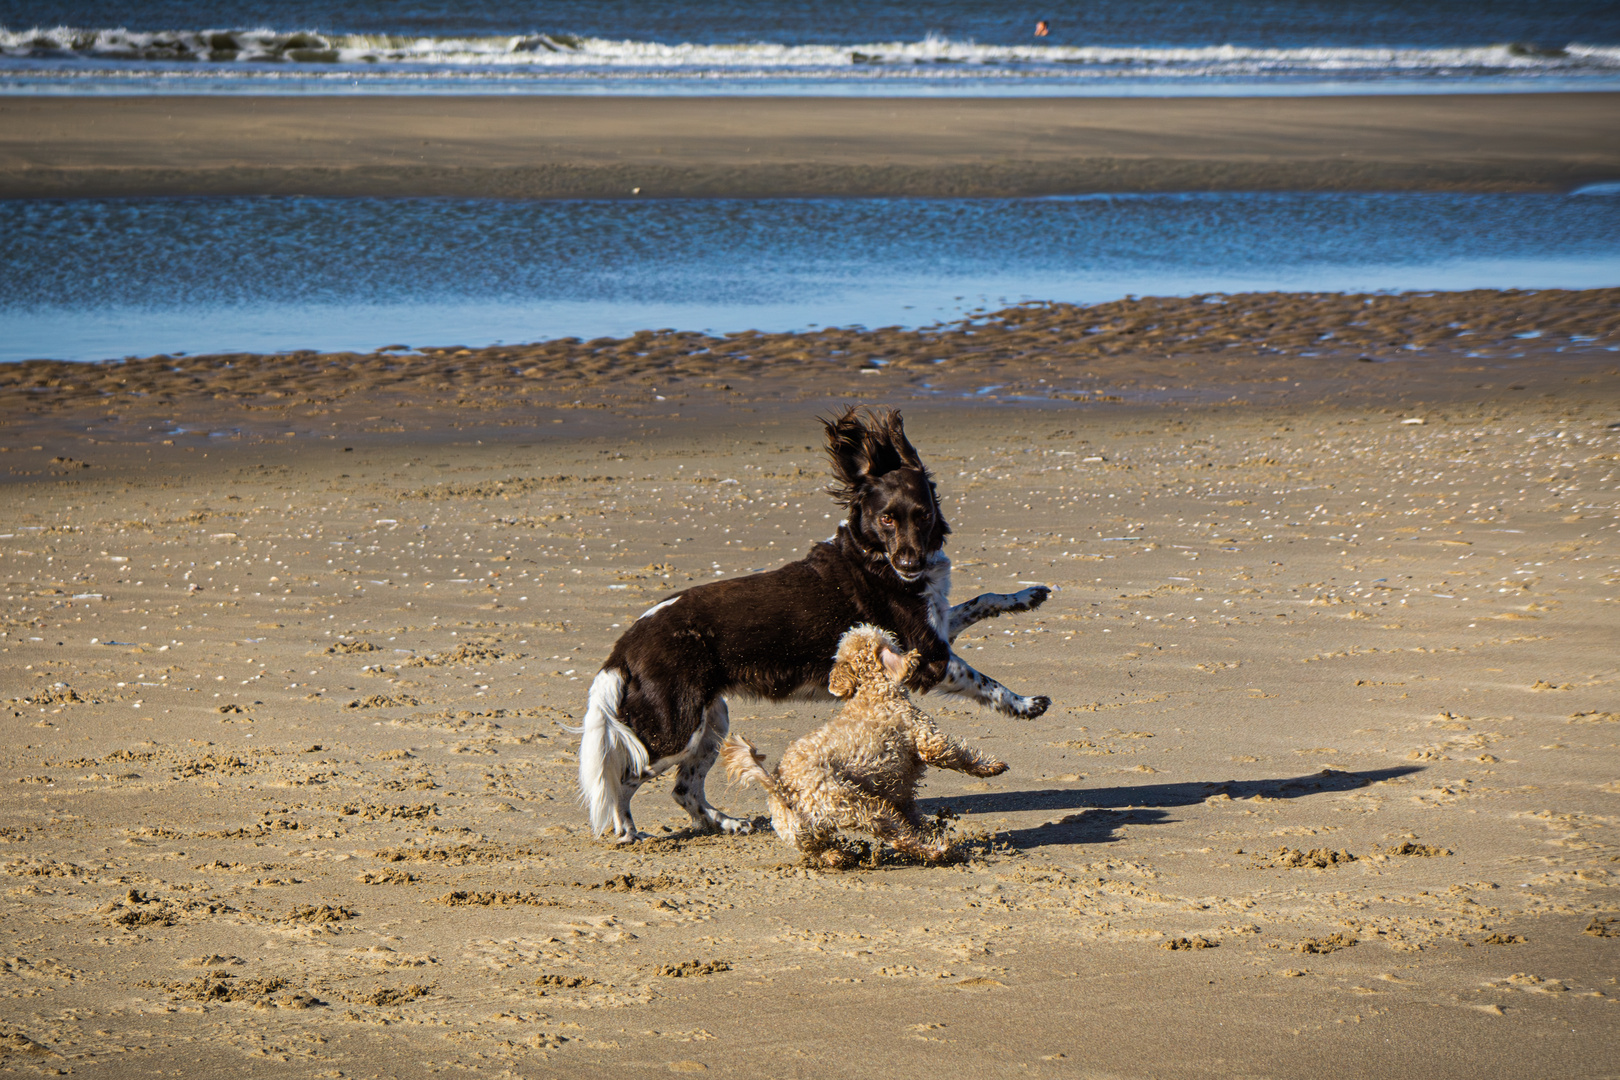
point(1098, 812)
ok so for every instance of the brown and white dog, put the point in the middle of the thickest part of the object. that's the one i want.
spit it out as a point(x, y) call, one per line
point(659, 701)
point(860, 770)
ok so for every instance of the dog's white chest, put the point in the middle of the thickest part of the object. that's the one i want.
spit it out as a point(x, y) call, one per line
point(937, 593)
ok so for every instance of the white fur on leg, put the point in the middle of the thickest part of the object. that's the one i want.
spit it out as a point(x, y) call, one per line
point(694, 770)
point(989, 605)
point(612, 761)
point(962, 680)
point(937, 592)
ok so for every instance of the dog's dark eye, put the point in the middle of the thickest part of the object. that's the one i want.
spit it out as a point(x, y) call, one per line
point(886, 520)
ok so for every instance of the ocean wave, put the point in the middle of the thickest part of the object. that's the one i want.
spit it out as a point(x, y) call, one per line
point(558, 53)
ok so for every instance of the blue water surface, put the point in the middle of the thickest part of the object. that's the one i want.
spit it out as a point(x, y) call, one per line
point(829, 47)
point(91, 279)
point(1275, 23)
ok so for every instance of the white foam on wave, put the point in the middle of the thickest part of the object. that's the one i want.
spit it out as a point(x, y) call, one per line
point(934, 57)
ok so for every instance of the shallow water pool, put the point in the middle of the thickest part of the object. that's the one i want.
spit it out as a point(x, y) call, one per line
point(93, 279)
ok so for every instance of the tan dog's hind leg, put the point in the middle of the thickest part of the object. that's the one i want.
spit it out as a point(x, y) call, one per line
point(888, 822)
point(921, 844)
point(816, 843)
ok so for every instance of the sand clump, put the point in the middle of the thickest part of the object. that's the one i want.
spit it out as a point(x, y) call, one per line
point(57, 694)
point(688, 969)
point(1325, 945)
point(137, 910)
point(1409, 848)
point(350, 648)
point(225, 986)
point(1314, 859)
point(389, 995)
point(465, 653)
point(370, 812)
point(463, 898)
point(632, 883)
point(1182, 944)
point(320, 914)
point(383, 701)
point(565, 982)
point(15, 1042)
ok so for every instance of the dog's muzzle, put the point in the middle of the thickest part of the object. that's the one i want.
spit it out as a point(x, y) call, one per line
point(905, 575)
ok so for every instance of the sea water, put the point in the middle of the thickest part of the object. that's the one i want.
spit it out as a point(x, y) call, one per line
point(91, 279)
point(977, 47)
point(88, 279)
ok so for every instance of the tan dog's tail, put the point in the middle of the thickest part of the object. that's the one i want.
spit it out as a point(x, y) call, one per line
point(744, 764)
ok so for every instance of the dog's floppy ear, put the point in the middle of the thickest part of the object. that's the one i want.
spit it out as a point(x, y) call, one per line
point(885, 447)
point(846, 446)
point(900, 668)
point(843, 681)
point(894, 434)
point(863, 447)
point(941, 528)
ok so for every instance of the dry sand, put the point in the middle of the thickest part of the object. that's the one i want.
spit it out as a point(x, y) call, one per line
point(1329, 785)
point(539, 147)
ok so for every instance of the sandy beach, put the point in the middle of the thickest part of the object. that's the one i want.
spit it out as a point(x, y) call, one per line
point(1328, 786)
point(609, 147)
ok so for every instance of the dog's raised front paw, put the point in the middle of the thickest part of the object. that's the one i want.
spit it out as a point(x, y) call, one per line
point(989, 768)
point(1030, 599)
point(1024, 708)
point(1031, 707)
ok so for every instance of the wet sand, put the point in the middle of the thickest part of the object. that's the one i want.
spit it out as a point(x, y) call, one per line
point(574, 147)
point(1263, 347)
point(1330, 773)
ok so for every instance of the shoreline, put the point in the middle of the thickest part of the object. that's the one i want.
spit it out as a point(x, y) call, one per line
point(1413, 350)
point(606, 147)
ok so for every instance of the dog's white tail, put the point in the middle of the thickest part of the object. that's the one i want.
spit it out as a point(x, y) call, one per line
point(744, 764)
point(610, 756)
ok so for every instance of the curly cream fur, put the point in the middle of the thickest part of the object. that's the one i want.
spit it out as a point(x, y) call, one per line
point(861, 769)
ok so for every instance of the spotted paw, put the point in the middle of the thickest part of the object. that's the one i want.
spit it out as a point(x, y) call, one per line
point(629, 837)
point(735, 826)
point(1030, 708)
point(719, 821)
point(1030, 599)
